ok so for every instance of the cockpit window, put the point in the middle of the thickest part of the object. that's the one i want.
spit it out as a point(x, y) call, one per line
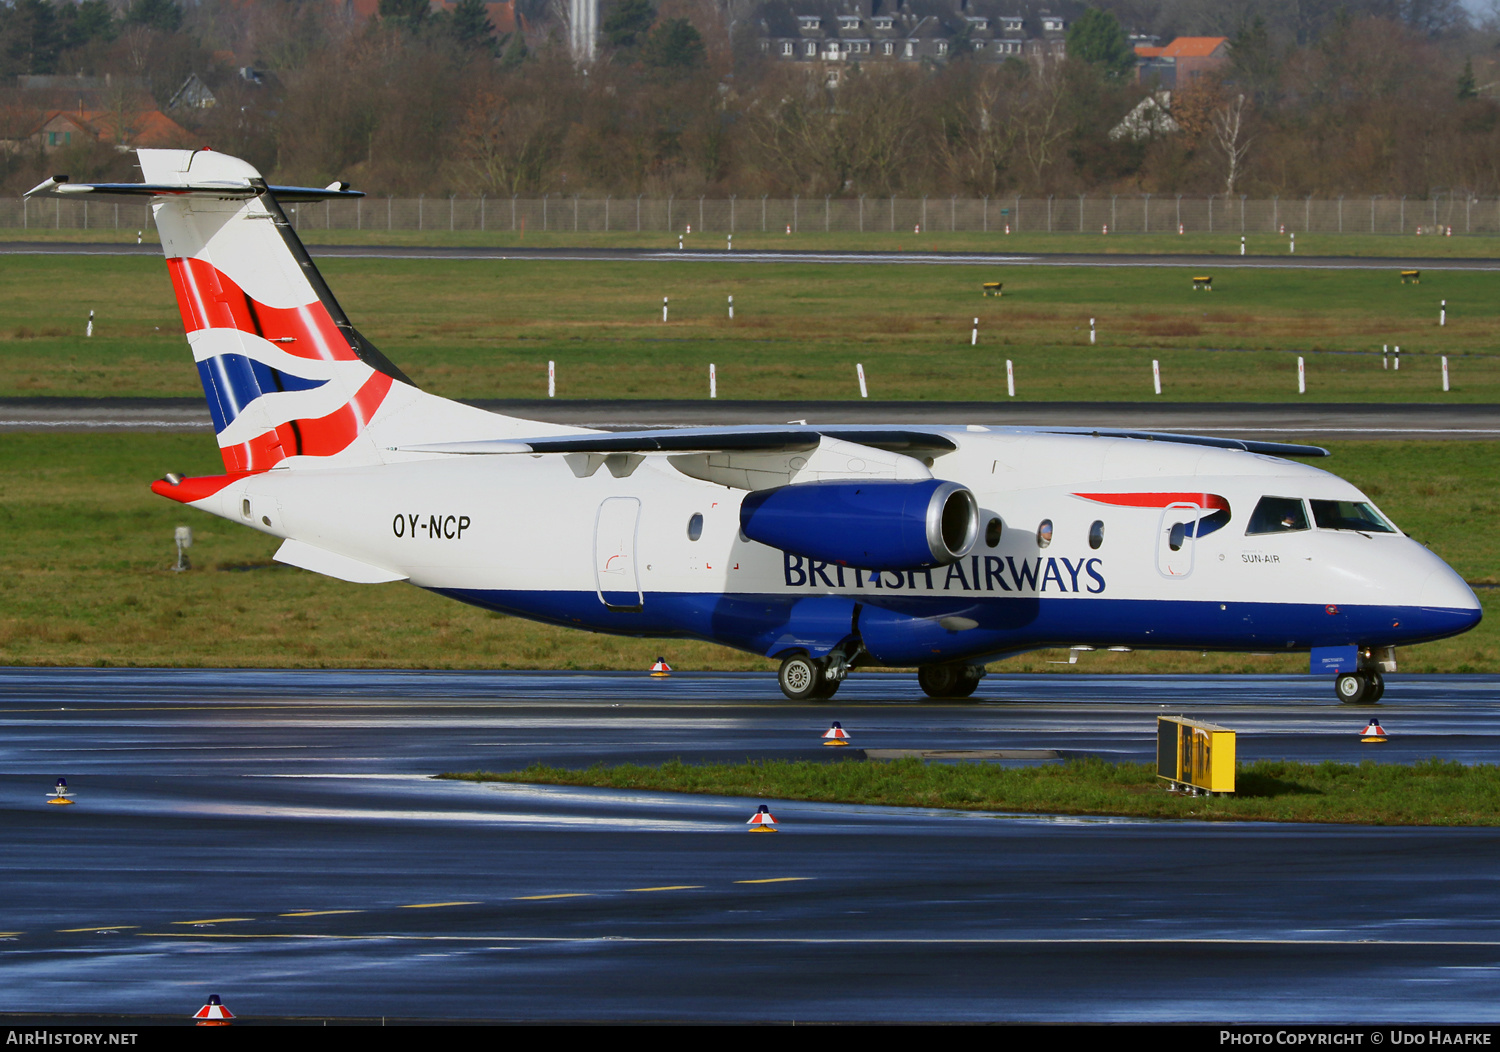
point(1277, 515)
point(1349, 515)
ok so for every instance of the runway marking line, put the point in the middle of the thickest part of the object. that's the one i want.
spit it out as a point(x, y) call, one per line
point(562, 895)
point(774, 880)
point(671, 887)
point(211, 920)
point(317, 913)
point(436, 905)
point(97, 927)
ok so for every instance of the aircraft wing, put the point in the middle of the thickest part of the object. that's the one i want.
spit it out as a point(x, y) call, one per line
point(1248, 445)
point(707, 440)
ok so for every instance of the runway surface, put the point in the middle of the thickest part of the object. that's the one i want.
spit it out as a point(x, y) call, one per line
point(276, 838)
point(1227, 261)
point(1294, 422)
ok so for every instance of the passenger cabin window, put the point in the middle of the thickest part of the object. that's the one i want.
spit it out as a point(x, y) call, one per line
point(992, 531)
point(695, 526)
point(1096, 534)
point(1277, 515)
point(1044, 533)
point(1349, 515)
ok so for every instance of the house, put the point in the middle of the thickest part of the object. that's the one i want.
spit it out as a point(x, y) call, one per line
point(844, 31)
point(125, 130)
point(1151, 117)
point(193, 95)
point(1181, 62)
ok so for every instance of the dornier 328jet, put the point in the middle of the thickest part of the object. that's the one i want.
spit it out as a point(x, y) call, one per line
point(826, 548)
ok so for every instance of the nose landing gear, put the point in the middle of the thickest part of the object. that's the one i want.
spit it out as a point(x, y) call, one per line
point(1359, 688)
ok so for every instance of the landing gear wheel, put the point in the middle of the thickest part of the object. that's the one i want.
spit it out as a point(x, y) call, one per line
point(801, 679)
point(829, 688)
point(1377, 688)
point(1353, 688)
point(947, 681)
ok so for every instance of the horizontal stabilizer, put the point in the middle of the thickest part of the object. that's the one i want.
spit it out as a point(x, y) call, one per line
point(136, 193)
point(1247, 445)
point(331, 564)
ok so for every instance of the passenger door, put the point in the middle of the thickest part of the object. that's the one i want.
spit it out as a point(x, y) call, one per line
point(615, 571)
point(1175, 539)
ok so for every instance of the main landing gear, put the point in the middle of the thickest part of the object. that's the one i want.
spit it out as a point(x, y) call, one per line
point(949, 681)
point(1364, 687)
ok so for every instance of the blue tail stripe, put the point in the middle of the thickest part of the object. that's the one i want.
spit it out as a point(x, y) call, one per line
point(233, 381)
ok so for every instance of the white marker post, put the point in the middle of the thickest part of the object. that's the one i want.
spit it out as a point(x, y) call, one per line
point(1242, 246)
point(664, 308)
point(730, 246)
point(859, 371)
point(1091, 332)
point(1443, 314)
point(1010, 379)
point(713, 381)
point(679, 242)
point(1445, 372)
point(1396, 368)
point(1294, 243)
point(551, 379)
point(1156, 374)
point(1301, 376)
point(90, 330)
point(1385, 356)
point(974, 336)
point(731, 308)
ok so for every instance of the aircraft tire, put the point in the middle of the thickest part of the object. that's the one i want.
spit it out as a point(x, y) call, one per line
point(940, 681)
point(829, 688)
point(1377, 688)
point(1353, 688)
point(801, 678)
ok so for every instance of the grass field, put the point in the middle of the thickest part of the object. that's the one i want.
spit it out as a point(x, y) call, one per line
point(1477, 246)
point(1431, 793)
point(486, 329)
point(85, 578)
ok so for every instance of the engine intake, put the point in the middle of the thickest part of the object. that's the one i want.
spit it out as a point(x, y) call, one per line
point(881, 524)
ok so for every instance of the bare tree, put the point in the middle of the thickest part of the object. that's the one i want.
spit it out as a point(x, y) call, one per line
point(1231, 139)
point(1039, 116)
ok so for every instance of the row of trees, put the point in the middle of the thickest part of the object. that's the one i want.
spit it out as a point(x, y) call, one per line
point(1369, 96)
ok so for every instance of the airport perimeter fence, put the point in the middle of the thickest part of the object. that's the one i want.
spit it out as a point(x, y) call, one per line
point(1124, 214)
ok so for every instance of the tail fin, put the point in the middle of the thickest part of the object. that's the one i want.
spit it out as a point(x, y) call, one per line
point(285, 373)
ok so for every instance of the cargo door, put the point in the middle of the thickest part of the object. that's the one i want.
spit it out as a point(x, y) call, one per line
point(615, 571)
point(1175, 539)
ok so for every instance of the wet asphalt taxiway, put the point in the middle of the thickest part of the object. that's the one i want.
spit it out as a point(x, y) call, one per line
point(277, 838)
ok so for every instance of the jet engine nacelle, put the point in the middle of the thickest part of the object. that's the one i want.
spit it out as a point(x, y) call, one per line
point(882, 524)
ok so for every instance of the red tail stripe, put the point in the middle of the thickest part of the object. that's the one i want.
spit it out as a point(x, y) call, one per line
point(191, 489)
point(1211, 501)
point(208, 298)
point(322, 437)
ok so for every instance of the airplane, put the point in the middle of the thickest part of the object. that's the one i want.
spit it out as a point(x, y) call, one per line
point(827, 548)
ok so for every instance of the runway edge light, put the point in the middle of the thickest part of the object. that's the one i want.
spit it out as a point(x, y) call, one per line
point(836, 735)
point(60, 793)
point(661, 668)
point(1374, 732)
point(762, 821)
point(213, 1013)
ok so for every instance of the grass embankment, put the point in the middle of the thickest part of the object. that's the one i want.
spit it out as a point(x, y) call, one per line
point(1436, 792)
point(84, 577)
point(1476, 246)
point(487, 328)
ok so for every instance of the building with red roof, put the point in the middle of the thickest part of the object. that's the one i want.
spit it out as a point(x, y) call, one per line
point(1184, 60)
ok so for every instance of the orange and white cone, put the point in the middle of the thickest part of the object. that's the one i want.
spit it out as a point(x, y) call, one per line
point(661, 668)
point(836, 735)
point(762, 821)
point(1374, 732)
point(60, 793)
point(214, 1013)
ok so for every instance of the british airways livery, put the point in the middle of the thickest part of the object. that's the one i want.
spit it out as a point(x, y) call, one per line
point(826, 548)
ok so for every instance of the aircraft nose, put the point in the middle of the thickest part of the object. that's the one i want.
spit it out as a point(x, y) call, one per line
point(1446, 590)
